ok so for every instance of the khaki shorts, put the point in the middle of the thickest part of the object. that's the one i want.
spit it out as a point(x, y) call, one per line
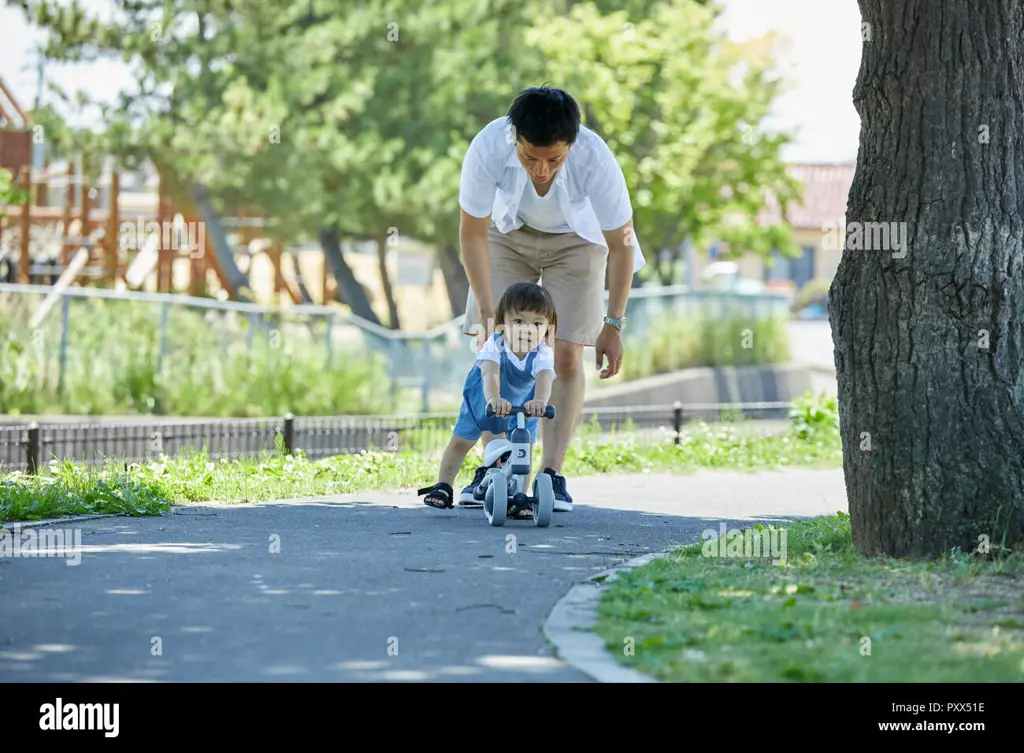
point(567, 266)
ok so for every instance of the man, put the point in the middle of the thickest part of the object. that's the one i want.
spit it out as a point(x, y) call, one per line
point(543, 200)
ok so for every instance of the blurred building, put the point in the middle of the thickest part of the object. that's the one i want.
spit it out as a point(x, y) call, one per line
point(816, 223)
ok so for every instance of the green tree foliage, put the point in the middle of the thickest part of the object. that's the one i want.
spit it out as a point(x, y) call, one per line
point(680, 107)
point(10, 192)
point(349, 122)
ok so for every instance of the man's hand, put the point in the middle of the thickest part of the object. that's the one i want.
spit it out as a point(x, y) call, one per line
point(621, 248)
point(609, 343)
point(536, 407)
point(486, 328)
point(500, 406)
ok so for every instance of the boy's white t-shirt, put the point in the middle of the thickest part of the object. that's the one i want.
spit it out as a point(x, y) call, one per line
point(493, 349)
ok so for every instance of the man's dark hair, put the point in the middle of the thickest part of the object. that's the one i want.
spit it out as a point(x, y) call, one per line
point(543, 116)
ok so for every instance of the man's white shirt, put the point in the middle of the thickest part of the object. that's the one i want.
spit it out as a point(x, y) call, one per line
point(589, 188)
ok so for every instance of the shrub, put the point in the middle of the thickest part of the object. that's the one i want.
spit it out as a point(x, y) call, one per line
point(814, 415)
point(113, 365)
point(676, 343)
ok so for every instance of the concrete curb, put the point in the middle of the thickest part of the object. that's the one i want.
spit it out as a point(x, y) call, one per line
point(567, 628)
point(51, 521)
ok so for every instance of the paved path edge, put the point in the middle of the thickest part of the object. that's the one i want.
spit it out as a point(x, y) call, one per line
point(53, 521)
point(568, 628)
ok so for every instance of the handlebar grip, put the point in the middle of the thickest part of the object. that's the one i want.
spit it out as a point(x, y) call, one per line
point(548, 413)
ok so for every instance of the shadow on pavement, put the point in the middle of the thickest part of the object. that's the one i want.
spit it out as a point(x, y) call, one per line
point(350, 589)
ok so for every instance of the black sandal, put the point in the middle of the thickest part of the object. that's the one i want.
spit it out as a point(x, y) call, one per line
point(515, 511)
point(440, 489)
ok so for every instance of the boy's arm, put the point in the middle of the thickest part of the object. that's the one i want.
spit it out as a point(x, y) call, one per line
point(490, 371)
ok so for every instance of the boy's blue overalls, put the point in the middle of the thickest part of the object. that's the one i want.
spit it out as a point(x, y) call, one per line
point(518, 386)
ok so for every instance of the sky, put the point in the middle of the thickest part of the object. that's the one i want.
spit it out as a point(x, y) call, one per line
point(820, 63)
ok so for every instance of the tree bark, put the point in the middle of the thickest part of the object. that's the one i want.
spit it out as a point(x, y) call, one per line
point(354, 294)
point(928, 345)
point(455, 280)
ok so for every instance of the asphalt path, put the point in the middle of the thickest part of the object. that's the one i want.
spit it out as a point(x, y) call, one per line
point(351, 588)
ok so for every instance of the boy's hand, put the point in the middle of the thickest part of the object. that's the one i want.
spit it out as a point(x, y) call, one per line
point(536, 408)
point(500, 406)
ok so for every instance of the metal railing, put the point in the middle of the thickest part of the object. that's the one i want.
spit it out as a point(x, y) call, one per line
point(437, 359)
point(30, 447)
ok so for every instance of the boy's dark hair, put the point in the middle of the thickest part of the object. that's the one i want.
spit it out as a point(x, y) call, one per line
point(530, 297)
point(544, 116)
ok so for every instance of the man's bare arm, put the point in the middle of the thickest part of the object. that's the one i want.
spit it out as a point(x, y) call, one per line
point(545, 379)
point(620, 268)
point(476, 256)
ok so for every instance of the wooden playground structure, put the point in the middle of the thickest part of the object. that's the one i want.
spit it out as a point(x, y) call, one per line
point(151, 237)
point(94, 235)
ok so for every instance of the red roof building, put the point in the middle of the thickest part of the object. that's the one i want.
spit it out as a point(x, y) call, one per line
point(816, 221)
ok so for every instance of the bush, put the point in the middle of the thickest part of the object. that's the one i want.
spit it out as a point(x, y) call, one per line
point(814, 415)
point(113, 365)
point(683, 343)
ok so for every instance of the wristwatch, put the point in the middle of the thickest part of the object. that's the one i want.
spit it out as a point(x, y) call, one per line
point(617, 323)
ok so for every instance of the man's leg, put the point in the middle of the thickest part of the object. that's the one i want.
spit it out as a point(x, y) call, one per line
point(574, 274)
point(567, 394)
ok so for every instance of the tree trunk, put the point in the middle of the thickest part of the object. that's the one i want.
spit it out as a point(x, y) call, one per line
point(300, 283)
point(928, 345)
point(667, 266)
point(354, 294)
point(225, 255)
point(385, 281)
point(455, 280)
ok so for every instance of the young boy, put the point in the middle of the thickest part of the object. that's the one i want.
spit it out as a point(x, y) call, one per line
point(516, 366)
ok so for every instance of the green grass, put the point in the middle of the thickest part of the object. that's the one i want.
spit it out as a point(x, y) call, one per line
point(146, 489)
point(824, 614)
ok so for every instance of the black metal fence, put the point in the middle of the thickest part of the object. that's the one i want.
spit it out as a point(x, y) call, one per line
point(30, 447)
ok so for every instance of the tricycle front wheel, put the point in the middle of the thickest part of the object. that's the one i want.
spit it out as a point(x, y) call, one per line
point(544, 500)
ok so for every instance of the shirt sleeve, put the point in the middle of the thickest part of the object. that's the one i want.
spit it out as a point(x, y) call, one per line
point(607, 191)
point(490, 352)
point(545, 360)
point(477, 185)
